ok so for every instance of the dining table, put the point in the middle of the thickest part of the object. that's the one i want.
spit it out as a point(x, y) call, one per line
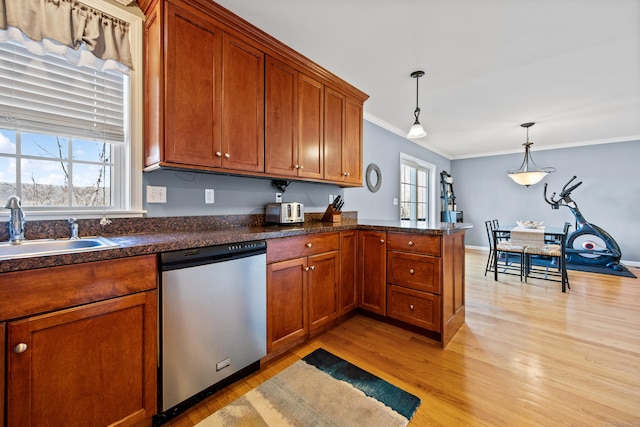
point(534, 237)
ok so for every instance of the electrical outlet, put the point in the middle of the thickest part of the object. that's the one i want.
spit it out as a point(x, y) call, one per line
point(156, 194)
point(278, 197)
point(208, 196)
point(330, 198)
point(395, 201)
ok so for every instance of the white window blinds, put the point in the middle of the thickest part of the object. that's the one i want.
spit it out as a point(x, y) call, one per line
point(46, 94)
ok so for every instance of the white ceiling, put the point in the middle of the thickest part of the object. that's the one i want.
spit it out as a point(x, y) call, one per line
point(571, 66)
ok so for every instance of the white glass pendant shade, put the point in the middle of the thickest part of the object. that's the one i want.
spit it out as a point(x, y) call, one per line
point(527, 178)
point(416, 131)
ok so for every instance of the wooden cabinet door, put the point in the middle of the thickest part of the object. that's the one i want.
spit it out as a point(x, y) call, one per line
point(281, 119)
point(348, 288)
point(242, 106)
point(352, 146)
point(92, 365)
point(286, 302)
point(153, 86)
point(192, 104)
point(334, 134)
point(323, 288)
point(372, 252)
point(310, 128)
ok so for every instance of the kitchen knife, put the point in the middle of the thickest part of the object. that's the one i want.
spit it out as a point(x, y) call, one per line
point(336, 202)
point(339, 207)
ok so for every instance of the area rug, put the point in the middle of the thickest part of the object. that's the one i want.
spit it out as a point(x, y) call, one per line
point(602, 270)
point(319, 390)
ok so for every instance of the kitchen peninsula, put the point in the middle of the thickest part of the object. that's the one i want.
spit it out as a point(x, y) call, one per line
point(406, 274)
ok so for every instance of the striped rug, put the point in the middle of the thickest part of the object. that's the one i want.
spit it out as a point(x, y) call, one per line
point(319, 390)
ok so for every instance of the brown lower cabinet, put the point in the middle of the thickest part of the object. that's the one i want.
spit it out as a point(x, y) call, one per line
point(425, 281)
point(2, 384)
point(348, 296)
point(86, 353)
point(372, 253)
point(302, 293)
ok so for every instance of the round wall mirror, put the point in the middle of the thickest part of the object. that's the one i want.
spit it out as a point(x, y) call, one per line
point(373, 177)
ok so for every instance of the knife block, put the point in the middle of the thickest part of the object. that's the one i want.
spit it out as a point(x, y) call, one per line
point(331, 215)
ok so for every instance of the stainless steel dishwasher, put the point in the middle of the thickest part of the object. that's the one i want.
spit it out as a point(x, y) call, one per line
point(212, 321)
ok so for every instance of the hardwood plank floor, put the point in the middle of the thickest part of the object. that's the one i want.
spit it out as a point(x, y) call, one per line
point(528, 355)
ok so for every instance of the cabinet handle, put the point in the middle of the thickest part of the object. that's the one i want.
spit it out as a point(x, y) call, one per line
point(411, 307)
point(306, 269)
point(227, 155)
point(410, 243)
point(313, 267)
point(296, 166)
point(348, 174)
point(381, 241)
point(308, 245)
point(20, 348)
point(301, 166)
point(411, 271)
point(218, 154)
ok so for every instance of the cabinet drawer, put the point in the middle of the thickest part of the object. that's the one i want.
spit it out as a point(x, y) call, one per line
point(422, 244)
point(301, 246)
point(418, 272)
point(415, 307)
point(24, 293)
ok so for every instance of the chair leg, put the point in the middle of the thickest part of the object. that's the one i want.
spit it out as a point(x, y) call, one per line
point(489, 262)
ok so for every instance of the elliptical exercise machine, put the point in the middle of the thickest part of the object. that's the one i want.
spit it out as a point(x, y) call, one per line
point(588, 244)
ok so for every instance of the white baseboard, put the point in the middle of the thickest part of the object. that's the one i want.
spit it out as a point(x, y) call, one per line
point(623, 261)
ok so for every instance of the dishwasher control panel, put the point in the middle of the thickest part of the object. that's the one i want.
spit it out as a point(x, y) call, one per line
point(206, 254)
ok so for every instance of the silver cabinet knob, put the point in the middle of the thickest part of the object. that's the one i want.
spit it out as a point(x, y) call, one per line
point(218, 154)
point(306, 269)
point(411, 271)
point(308, 245)
point(296, 166)
point(301, 166)
point(227, 155)
point(410, 243)
point(411, 307)
point(20, 348)
point(381, 241)
point(313, 267)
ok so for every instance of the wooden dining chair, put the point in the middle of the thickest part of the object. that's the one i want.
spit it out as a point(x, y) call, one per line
point(511, 256)
point(548, 255)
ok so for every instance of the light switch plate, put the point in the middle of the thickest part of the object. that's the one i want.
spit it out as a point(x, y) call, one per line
point(209, 196)
point(156, 194)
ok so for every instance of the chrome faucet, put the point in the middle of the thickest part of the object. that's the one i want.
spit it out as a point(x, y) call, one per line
point(17, 221)
point(74, 228)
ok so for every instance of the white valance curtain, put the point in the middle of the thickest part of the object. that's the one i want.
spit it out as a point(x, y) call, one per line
point(70, 23)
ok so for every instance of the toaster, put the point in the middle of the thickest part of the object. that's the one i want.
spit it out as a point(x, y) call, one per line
point(284, 213)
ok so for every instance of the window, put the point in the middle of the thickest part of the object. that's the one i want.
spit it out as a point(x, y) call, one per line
point(417, 194)
point(70, 135)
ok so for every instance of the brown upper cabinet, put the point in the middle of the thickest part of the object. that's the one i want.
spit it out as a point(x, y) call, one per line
point(212, 114)
point(293, 140)
point(221, 95)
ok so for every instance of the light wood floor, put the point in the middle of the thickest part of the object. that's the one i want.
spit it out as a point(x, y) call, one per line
point(528, 355)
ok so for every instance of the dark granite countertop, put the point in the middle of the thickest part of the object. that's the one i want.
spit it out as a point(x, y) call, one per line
point(137, 239)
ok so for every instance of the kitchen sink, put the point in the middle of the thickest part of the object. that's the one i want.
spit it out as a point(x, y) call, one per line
point(44, 247)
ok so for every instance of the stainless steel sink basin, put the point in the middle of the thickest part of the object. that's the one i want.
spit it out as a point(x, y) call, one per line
point(35, 248)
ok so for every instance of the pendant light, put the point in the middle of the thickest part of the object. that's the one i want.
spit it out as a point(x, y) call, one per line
point(529, 173)
point(417, 131)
